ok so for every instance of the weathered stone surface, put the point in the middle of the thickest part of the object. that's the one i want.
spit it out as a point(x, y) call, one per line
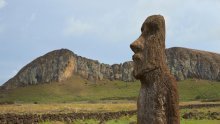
point(93, 70)
point(59, 65)
point(188, 63)
point(183, 63)
point(63, 117)
point(158, 98)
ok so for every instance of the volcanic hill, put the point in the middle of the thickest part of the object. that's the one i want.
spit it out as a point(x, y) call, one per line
point(60, 65)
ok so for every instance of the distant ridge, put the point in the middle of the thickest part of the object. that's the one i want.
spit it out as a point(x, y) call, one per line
point(190, 63)
point(59, 65)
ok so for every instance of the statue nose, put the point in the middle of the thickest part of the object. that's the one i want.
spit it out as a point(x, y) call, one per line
point(136, 46)
point(132, 46)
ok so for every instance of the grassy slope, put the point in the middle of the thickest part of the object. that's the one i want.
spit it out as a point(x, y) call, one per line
point(192, 89)
point(75, 89)
point(78, 89)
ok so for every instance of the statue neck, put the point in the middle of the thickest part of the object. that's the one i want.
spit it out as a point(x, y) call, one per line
point(152, 76)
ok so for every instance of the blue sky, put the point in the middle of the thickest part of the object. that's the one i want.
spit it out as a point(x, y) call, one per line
point(99, 29)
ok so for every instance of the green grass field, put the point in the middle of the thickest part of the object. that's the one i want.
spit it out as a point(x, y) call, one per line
point(132, 120)
point(99, 108)
point(192, 89)
point(78, 89)
point(80, 95)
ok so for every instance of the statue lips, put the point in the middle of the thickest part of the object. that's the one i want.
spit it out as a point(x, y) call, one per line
point(137, 48)
point(136, 57)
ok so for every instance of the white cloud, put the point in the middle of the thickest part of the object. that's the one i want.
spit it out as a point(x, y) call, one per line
point(2, 3)
point(76, 27)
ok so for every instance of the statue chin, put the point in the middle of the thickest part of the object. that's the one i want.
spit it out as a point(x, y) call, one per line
point(137, 74)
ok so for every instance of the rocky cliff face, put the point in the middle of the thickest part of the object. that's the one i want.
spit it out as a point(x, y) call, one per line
point(93, 70)
point(59, 65)
point(54, 66)
point(188, 63)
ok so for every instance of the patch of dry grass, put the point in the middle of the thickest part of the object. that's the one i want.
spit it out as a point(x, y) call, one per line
point(66, 108)
point(86, 107)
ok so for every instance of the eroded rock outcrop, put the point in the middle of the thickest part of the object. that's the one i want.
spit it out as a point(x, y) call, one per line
point(93, 70)
point(56, 66)
point(61, 64)
point(188, 63)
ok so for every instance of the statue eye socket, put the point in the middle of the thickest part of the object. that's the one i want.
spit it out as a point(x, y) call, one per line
point(153, 28)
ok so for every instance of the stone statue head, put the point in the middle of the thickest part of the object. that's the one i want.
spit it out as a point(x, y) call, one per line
point(149, 48)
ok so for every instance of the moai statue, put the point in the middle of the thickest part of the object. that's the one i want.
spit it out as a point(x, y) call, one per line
point(158, 97)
